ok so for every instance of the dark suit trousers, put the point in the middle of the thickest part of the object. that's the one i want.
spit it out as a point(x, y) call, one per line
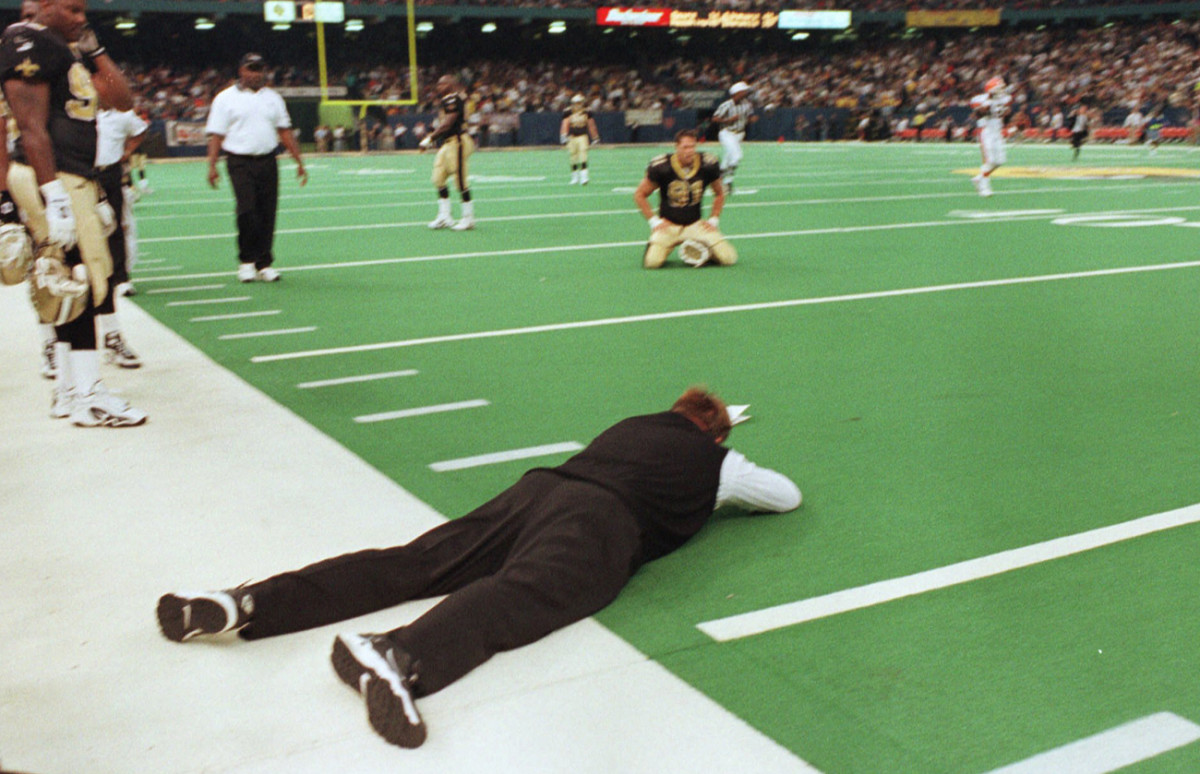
point(255, 181)
point(543, 554)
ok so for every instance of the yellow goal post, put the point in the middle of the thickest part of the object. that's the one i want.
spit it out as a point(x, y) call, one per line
point(363, 104)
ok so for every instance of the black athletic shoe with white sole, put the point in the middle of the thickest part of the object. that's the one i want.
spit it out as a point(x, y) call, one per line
point(383, 673)
point(182, 616)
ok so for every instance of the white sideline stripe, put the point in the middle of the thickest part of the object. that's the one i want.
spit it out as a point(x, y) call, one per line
point(627, 211)
point(505, 456)
point(142, 269)
point(276, 332)
point(792, 613)
point(524, 251)
point(719, 310)
point(185, 289)
point(236, 316)
point(229, 300)
point(421, 411)
point(1113, 749)
point(354, 379)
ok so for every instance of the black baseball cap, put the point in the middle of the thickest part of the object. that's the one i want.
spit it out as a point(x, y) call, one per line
point(253, 61)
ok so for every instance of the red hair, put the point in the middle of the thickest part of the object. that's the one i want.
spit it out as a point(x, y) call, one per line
point(706, 410)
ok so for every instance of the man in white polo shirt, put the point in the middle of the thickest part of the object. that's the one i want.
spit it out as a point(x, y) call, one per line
point(248, 121)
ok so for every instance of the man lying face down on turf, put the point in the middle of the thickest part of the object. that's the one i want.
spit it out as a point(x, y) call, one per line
point(552, 549)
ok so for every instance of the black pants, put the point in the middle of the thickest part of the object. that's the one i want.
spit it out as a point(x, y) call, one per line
point(255, 181)
point(543, 554)
point(110, 181)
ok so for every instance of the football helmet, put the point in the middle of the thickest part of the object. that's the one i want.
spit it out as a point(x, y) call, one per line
point(694, 253)
point(16, 253)
point(59, 292)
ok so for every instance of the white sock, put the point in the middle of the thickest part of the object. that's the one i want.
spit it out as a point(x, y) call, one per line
point(48, 333)
point(109, 323)
point(444, 208)
point(85, 368)
point(62, 356)
point(468, 210)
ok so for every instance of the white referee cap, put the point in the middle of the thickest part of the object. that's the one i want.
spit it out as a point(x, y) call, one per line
point(738, 88)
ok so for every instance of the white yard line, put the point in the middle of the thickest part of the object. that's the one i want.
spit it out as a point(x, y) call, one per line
point(505, 456)
point(708, 311)
point(792, 613)
point(229, 300)
point(236, 316)
point(354, 379)
point(386, 416)
point(275, 332)
point(1114, 749)
point(187, 289)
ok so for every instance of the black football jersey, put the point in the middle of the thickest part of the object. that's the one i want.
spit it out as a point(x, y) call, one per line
point(577, 121)
point(453, 119)
point(680, 191)
point(33, 53)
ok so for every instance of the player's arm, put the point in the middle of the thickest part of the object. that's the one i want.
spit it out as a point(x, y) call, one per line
point(563, 130)
point(288, 138)
point(108, 79)
point(641, 197)
point(444, 125)
point(8, 208)
point(29, 102)
point(214, 152)
point(718, 189)
point(593, 130)
point(132, 143)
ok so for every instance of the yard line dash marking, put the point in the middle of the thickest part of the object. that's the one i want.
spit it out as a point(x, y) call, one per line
point(355, 379)
point(420, 411)
point(229, 300)
point(792, 613)
point(1114, 749)
point(714, 310)
point(505, 456)
point(236, 316)
point(275, 332)
point(186, 289)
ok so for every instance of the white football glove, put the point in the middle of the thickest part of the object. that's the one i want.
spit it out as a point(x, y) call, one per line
point(714, 222)
point(60, 219)
point(426, 143)
point(562, 138)
point(107, 216)
point(654, 222)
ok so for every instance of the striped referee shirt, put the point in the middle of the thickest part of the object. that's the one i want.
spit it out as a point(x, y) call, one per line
point(740, 112)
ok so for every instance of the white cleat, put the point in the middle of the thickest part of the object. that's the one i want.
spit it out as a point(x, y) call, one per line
point(247, 272)
point(441, 222)
point(465, 224)
point(268, 275)
point(100, 408)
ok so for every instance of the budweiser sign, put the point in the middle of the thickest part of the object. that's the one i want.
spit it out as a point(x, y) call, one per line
point(633, 17)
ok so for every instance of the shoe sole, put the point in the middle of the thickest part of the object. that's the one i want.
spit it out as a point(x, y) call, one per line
point(110, 420)
point(181, 618)
point(347, 667)
point(385, 711)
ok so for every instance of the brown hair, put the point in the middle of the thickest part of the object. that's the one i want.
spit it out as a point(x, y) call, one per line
point(706, 410)
point(686, 133)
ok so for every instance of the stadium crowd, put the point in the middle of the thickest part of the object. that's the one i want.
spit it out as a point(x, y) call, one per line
point(1148, 64)
point(771, 5)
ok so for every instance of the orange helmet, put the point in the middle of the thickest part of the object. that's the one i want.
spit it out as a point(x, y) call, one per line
point(994, 84)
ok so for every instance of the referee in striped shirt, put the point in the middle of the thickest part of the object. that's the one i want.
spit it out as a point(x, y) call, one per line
point(733, 115)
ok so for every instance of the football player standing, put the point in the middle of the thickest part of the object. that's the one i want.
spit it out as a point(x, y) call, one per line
point(733, 115)
point(577, 129)
point(991, 107)
point(455, 146)
point(680, 179)
point(53, 71)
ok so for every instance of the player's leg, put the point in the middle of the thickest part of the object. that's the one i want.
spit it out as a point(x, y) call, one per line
point(116, 350)
point(573, 153)
point(441, 175)
point(662, 241)
point(22, 185)
point(466, 146)
point(718, 246)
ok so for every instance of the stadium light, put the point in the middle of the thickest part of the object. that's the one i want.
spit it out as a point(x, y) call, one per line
point(204, 23)
point(557, 27)
point(125, 24)
point(800, 36)
point(281, 26)
point(489, 27)
point(354, 25)
point(425, 27)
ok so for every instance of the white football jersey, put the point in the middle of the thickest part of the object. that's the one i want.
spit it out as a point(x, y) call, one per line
point(996, 105)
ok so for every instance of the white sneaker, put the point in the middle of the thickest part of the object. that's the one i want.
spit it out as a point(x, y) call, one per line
point(118, 353)
point(464, 224)
point(101, 408)
point(268, 275)
point(574, 178)
point(61, 403)
point(247, 272)
point(583, 177)
point(441, 222)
